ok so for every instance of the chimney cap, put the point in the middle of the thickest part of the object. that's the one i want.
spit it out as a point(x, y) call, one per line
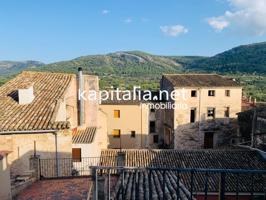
point(80, 69)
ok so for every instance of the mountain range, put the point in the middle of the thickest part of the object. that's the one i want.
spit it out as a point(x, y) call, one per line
point(127, 68)
point(244, 59)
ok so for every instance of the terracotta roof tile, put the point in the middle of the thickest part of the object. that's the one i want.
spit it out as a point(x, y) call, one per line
point(210, 159)
point(49, 89)
point(200, 80)
point(83, 136)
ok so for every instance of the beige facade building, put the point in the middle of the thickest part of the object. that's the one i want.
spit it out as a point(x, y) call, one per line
point(205, 106)
point(39, 113)
point(130, 124)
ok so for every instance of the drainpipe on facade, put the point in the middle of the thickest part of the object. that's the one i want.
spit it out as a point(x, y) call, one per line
point(56, 156)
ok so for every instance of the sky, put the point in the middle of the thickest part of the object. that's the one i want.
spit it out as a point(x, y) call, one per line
point(55, 30)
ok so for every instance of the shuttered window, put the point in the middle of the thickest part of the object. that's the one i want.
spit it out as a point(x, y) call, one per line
point(76, 154)
point(116, 133)
point(116, 113)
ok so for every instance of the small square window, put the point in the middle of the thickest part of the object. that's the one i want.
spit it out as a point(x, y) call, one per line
point(211, 93)
point(155, 139)
point(116, 133)
point(133, 134)
point(211, 112)
point(116, 113)
point(227, 93)
point(152, 110)
point(193, 93)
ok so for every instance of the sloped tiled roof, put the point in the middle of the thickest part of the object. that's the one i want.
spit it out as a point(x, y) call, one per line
point(199, 80)
point(83, 136)
point(49, 89)
point(210, 159)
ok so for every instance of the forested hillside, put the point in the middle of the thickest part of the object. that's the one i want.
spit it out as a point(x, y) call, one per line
point(246, 63)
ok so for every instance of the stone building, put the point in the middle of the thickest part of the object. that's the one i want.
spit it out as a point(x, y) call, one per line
point(38, 113)
point(205, 110)
point(252, 123)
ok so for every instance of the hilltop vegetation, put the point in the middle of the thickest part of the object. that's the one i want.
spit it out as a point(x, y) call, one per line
point(12, 67)
point(246, 63)
point(124, 69)
point(245, 59)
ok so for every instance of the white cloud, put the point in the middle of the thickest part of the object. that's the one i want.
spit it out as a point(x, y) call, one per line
point(173, 30)
point(128, 20)
point(218, 23)
point(105, 12)
point(245, 16)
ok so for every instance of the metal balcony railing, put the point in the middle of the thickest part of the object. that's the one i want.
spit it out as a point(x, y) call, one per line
point(177, 183)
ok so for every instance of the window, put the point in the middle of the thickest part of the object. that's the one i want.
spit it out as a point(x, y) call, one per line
point(227, 93)
point(155, 139)
point(116, 113)
point(152, 126)
point(193, 93)
point(76, 154)
point(211, 93)
point(211, 112)
point(152, 110)
point(133, 134)
point(227, 112)
point(208, 140)
point(192, 115)
point(116, 133)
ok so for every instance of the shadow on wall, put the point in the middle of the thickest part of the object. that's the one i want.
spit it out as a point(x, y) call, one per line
point(5, 189)
point(21, 165)
point(127, 141)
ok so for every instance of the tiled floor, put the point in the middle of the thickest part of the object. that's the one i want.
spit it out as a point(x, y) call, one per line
point(57, 189)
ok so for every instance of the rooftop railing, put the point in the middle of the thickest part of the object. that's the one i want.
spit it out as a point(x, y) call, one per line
point(177, 183)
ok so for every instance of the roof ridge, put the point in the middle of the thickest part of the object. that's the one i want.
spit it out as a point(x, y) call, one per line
point(45, 72)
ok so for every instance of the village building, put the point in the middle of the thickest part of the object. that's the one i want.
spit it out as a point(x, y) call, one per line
point(205, 112)
point(131, 124)
point(42, 116)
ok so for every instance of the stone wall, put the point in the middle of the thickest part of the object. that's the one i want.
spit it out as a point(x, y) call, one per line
point(191, 136)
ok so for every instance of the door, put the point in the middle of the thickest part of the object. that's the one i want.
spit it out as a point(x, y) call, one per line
point(167, 137)
point(192, 115)
point(208, 140)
